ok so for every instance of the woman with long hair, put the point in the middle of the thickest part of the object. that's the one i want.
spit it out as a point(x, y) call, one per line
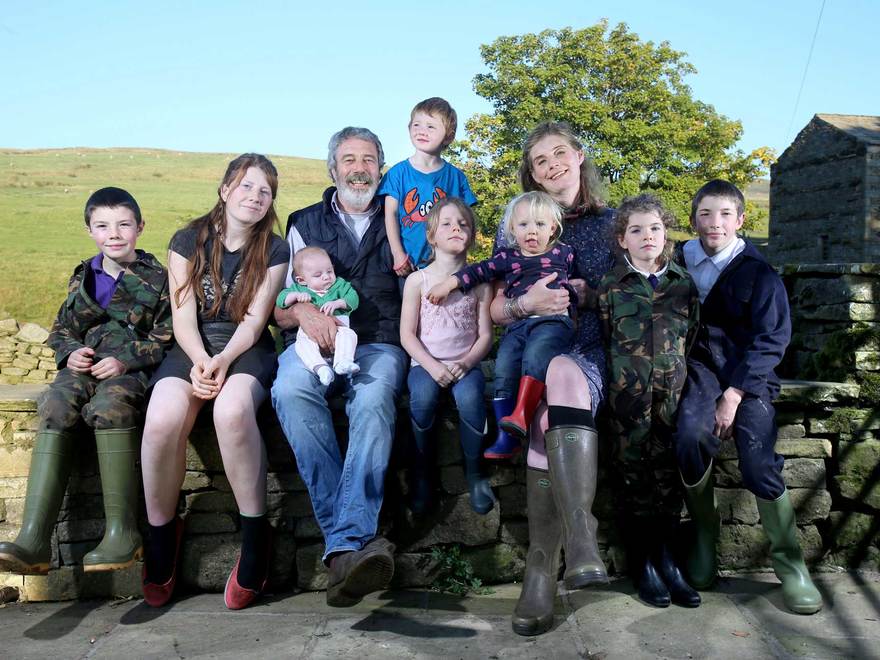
point(563, 445)
point(225, 270)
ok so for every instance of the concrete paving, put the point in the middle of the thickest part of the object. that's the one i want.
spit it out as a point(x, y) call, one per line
point(742, 618)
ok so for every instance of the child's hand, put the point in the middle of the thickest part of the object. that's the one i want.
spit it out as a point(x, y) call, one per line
point(725, 412)
point(458, 370)
point(439, 292)
point(403, 265)
point(295, 297)
point(80, 361)
point(329, 307)
point(107, 368)
point(441, 374)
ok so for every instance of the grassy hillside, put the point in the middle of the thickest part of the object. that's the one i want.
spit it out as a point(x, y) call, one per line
point(42, 193)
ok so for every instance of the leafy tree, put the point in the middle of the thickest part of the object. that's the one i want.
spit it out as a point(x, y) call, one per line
point(626, 98)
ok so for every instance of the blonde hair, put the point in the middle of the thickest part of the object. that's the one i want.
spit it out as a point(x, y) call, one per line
point(540, 204)
point(433, 220)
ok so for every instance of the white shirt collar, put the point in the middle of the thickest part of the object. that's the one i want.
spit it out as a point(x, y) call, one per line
point(658, 274)
point(696, 255)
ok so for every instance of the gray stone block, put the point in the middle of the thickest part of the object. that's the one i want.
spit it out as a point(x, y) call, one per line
point(804, 473)
point(207, 560)
point(414, 570)
point(211, 501)
point(307, 528)
point(810, 505)
point(515, 532)
point(214, 522)
point(512, 500)
point(804, 448)
point(453, 522)
point(71, 531)
point(311, 574)
point(857, 480)
point(790, 431)
point(497, 563)
point(736, 505)
point(195, 481)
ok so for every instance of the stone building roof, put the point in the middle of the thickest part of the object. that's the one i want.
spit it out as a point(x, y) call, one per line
point(864, 128)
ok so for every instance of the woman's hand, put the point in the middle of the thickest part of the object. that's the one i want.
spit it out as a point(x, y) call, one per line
point(541, 300)
point(208, 376)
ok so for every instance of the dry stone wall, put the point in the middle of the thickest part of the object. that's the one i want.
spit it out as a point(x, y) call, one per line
point(24, 355)
point(831, 471)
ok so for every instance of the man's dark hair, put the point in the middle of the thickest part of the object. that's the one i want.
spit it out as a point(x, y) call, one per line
point(111, 197)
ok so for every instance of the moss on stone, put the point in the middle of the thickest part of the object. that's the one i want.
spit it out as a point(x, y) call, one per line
point(869, 388)
point(834, 362)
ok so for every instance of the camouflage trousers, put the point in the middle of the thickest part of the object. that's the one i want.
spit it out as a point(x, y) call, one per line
point(647, 481)
point(113, 403)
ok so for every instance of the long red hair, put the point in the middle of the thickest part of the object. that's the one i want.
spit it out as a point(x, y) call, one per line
point(254, 253)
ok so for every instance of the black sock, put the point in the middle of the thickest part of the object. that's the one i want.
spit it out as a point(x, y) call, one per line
point(254, 565)
point(565, 416)
point(161, 551)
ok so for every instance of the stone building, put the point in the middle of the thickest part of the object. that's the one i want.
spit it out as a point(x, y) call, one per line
point(825, 194)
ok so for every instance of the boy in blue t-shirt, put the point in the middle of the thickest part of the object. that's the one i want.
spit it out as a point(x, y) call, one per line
point(413, 185)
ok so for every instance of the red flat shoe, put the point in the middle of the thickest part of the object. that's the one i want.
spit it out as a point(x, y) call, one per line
point(238, 597)
point(157, 595)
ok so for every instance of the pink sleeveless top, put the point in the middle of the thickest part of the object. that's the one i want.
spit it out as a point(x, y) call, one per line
point(449, 330)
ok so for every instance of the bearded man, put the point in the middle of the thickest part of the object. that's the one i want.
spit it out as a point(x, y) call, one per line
point(346, 488)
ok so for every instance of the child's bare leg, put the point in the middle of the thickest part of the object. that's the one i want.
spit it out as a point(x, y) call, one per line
point(244, 459)
point(170, 418)
point(241, 445)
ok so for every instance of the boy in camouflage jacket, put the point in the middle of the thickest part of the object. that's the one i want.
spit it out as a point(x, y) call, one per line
point(649, 310)
point(110, 333)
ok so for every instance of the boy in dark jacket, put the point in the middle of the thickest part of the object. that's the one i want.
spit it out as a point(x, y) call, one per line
point(110, 333)
point(731, 383)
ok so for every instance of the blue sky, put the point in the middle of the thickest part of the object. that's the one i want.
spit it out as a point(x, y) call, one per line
point(279, 78)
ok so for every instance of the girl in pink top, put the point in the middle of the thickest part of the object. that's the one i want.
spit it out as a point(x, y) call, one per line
point(446, 343)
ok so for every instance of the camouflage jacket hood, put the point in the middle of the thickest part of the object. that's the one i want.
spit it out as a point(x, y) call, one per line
point(135, 328)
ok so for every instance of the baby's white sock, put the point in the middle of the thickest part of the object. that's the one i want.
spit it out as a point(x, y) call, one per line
point(347, 368)
point(325, 374)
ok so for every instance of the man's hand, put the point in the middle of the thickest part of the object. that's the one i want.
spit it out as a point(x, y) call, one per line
point(81, 359)
point(725, 412)
point(107, 368)
point(319, 327)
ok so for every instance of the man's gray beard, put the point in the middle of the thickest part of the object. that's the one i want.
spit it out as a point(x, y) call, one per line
point(356, 199)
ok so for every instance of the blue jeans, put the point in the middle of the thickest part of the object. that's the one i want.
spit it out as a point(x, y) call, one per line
point(754, 433)
point(527, 348)
point(346, 491)
point(468, 394)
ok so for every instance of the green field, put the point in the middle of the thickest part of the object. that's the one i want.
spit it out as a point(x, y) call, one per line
point(42, 193)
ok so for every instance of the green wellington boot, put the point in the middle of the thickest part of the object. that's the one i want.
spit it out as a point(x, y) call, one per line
point(798, 591)
point(118, 453)
point(572, 454)
point(702, 561)
point(31, 552)
point(534, 609)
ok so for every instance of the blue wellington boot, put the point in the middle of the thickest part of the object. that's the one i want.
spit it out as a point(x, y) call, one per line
point(505, 445)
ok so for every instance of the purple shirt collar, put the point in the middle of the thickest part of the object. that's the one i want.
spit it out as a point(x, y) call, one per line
point(104, 285)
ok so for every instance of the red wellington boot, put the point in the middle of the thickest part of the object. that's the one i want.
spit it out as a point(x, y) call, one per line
point(530, 392)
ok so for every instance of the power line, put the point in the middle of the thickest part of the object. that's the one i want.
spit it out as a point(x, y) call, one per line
point(804, 78)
